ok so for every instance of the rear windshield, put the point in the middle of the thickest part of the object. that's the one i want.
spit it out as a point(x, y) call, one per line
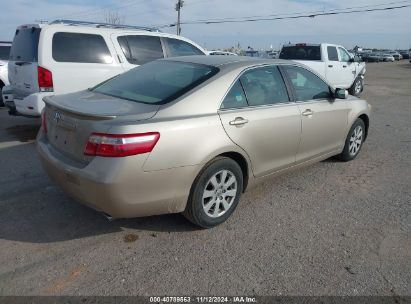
point(303, 52)
point(25, 45)
point(157, 82)
point(4, 52)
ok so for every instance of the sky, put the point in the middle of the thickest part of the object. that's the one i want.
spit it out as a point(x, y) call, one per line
point(383, 29)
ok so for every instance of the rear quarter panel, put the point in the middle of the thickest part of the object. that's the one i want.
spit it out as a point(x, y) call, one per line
point(183, 142)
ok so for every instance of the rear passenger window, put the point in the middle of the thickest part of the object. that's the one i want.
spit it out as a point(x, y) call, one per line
point(181, 48)
point(264, 86)
point(332, 53)
point(83, 48)
point(235, 98)
point(141, 49)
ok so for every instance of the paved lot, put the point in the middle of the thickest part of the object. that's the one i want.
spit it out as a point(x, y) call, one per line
point(329, 229)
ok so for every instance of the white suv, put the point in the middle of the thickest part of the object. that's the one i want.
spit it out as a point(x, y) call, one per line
point(65, 56)
point(4, 58)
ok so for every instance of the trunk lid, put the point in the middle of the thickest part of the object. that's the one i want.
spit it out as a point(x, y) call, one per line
point(71, 118)
point(23, 62)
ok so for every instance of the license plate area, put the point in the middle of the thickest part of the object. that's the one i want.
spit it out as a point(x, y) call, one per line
point(63, 139)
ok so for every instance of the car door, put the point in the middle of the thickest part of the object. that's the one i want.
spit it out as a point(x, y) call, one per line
point(348, 68)
point(258, 116)
point(323, 119)
point(334, 68)
point(23, 64)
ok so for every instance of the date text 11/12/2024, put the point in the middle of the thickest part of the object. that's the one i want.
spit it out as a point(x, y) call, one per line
point(203, 299)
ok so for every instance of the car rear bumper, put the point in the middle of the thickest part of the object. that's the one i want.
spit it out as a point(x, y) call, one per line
point(118, 186)
point(31, 105)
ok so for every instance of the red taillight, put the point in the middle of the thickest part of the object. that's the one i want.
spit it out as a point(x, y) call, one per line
point(45, 79)
point(43, 121)
point(120, 145)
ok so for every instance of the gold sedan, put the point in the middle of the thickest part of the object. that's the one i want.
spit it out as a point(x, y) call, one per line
point(191, 134)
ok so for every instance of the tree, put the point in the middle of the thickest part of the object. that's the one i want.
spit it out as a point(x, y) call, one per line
point(113, 17)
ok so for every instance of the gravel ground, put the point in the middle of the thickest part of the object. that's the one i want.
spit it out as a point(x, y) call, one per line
point(329, 229)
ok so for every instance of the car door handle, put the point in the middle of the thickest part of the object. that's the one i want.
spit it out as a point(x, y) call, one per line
point(238, 121)
point(307, 112)
point(330, 66)
point(344, 66)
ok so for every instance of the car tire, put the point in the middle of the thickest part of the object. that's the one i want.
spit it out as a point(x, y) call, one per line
point(215, 193)
point(354, 141)
point(357, 87)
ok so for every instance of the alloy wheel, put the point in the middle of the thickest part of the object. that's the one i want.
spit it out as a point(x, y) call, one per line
point(219, 193)
point(358, 87)
point(356, 140)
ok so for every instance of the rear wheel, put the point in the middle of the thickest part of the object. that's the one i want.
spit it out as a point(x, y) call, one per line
point(215, 193)
point(357, 87)
point(354, 141)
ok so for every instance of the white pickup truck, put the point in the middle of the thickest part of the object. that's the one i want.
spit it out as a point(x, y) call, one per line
point(333, 62)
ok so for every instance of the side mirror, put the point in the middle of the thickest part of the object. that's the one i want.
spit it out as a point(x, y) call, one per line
point(341, 93)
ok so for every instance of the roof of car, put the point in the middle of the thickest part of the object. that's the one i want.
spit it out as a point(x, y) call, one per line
point(230, 63)
point(301, 44)
point(104, 25)
point(101, 27)
point(98, 28)
point(223, 60)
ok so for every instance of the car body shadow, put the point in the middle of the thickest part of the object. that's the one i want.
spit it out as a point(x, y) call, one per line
point(60, 220)
point(33, 209)
point(18, 128)
point(23, 133)
point(332, 159)
point(406, 66)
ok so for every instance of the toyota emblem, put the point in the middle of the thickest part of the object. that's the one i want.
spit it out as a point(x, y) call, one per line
point(57, 116)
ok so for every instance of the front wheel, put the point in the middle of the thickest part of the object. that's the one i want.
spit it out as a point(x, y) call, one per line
point(215, 193)
point(354, 141)
point(357, 87)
